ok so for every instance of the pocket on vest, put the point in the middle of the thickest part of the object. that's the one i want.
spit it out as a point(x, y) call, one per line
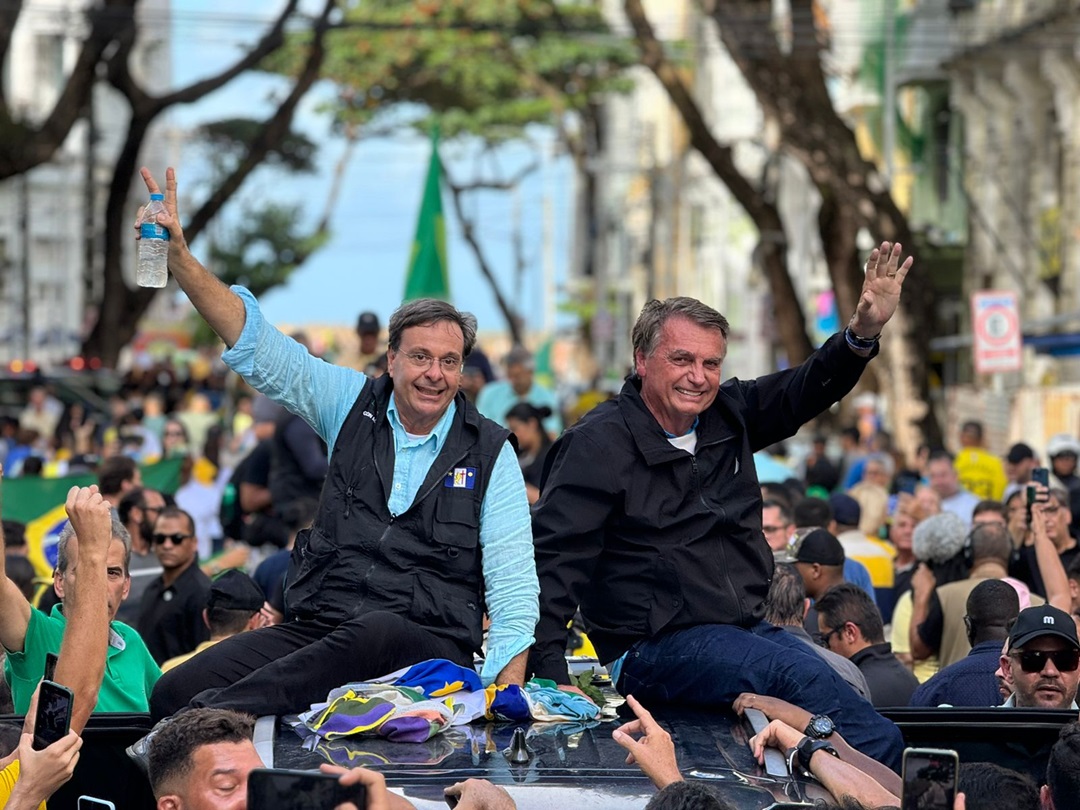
point(439, 604)
point(311, 560)
point(456, 525)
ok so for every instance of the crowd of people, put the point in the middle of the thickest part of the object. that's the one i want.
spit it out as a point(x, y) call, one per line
point(354, 519)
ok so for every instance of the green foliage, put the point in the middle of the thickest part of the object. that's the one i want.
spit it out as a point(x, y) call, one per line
point(483, 67)
point(264, 248)
point(228, 139)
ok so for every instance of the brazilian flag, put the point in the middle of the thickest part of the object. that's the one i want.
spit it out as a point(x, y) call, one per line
point(39, 503)
point(427, 275)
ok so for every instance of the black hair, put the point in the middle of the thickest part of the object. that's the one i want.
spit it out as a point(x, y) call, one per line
point(686, 796)
point(849, 603)
point(991, 787)
point(812, 512)
point(1063, 769)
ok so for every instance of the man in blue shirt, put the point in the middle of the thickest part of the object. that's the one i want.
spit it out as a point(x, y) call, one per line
point(992, 607)
point(423, 523)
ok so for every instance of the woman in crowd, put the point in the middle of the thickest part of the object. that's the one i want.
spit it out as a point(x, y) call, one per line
point(527, 423)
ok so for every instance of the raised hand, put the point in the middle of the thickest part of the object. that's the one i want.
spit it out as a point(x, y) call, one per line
point(91, 518)
point(170, 220)
point(653, 751)
point(881, 290)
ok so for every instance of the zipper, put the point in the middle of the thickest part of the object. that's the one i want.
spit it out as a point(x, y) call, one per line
point(720, 544)
point(348, 500)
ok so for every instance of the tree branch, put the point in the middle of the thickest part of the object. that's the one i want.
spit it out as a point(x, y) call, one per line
point(513, 320)
point(274, 129)
point(25, 148)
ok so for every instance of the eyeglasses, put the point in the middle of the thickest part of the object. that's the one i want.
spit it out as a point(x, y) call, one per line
point(1051, 510)
point(1035, 660)
point(422, 361)
point(176, 539)
point(824, 639)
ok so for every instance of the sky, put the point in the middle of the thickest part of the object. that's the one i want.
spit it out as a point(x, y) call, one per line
point(363, 266)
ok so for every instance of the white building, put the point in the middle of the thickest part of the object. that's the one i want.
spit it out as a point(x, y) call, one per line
point(51, 217)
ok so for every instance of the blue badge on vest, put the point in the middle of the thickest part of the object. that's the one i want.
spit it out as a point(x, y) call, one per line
point(461, 478)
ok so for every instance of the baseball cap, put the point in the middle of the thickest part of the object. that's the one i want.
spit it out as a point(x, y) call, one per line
point(821, 547)
point(367, 322)
point(845, 509)
point(235, 590)
point(1062, 443)
point(1044, 620)
point(1019, 452)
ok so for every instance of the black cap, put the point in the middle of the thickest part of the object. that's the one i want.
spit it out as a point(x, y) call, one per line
point(845, 509)
point(235, 590)
point(820, 546)
point(1044, 620)
point(1019, 452)
point(367, 322)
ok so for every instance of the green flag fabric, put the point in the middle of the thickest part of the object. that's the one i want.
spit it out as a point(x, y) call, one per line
point(427, 276)
point(39, 503)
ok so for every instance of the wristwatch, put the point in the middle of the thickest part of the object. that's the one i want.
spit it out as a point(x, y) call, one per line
point(808, 746)
point(820, 727)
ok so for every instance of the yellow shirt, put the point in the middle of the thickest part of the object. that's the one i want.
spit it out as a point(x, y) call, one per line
point(901, 643)
point(180, 659)
point(8, 777)
point(981, 472)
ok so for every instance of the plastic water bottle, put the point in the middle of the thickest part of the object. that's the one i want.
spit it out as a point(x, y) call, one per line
point(153, 267)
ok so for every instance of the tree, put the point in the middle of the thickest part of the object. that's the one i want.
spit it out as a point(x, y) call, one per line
point(107, 50)
point(485, 69)
point(789, 83)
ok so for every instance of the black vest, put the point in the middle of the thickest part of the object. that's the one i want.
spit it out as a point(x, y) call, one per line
point(424, 564)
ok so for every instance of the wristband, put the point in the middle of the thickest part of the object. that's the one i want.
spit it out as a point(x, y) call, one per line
point(860, 345)
point(808, 746)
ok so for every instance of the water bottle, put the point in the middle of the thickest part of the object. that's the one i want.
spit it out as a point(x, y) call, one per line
point(153, 267)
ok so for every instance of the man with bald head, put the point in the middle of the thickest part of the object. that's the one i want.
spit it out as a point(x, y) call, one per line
point(992, 607)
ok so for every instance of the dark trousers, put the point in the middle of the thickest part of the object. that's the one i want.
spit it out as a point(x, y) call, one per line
point(285, 668)
point(712, 664)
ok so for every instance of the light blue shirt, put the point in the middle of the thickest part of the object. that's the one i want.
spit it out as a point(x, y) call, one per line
point(496, 398)
point(323, 394)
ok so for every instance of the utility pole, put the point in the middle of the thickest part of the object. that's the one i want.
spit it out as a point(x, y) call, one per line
point(888, 113)
point(24, 228)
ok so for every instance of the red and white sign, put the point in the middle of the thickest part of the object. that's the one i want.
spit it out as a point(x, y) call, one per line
point(995, 322)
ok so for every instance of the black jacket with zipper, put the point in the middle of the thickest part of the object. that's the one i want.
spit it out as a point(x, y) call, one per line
point(424, 564)
point(646, 537)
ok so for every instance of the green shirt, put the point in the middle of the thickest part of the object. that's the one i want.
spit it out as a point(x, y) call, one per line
point(130, 671)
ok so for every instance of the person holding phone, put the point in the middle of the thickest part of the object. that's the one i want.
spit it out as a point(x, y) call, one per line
point(204, 759)
point(96, 546)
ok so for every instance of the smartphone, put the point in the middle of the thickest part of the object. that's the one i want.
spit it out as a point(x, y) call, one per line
point(278, 789)
point(90, 803)
point(1041, 475)
point(53, 718)
point(50, 666)
point(929, 779)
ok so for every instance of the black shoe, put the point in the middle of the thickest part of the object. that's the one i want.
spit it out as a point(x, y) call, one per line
point(139, 751)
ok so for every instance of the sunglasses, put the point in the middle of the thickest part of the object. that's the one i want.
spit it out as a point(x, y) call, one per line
point(1035, 660)
point(823, 639)
point(175, 539)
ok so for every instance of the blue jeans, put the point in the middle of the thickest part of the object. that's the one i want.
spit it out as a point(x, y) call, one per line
point(710, 665)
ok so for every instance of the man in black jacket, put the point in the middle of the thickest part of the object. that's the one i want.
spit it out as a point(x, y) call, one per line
point(661, 544)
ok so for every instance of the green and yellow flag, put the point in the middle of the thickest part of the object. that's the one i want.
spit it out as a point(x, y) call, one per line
point(39, 503)
point(428, 276)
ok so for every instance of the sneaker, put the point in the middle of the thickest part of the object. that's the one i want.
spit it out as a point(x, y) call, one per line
point(139, 751)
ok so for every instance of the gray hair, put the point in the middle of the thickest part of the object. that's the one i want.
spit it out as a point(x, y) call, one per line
point(118, 533)
point(939, 538)
point(646, 332)
point(884, 459)
point(427, 311)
